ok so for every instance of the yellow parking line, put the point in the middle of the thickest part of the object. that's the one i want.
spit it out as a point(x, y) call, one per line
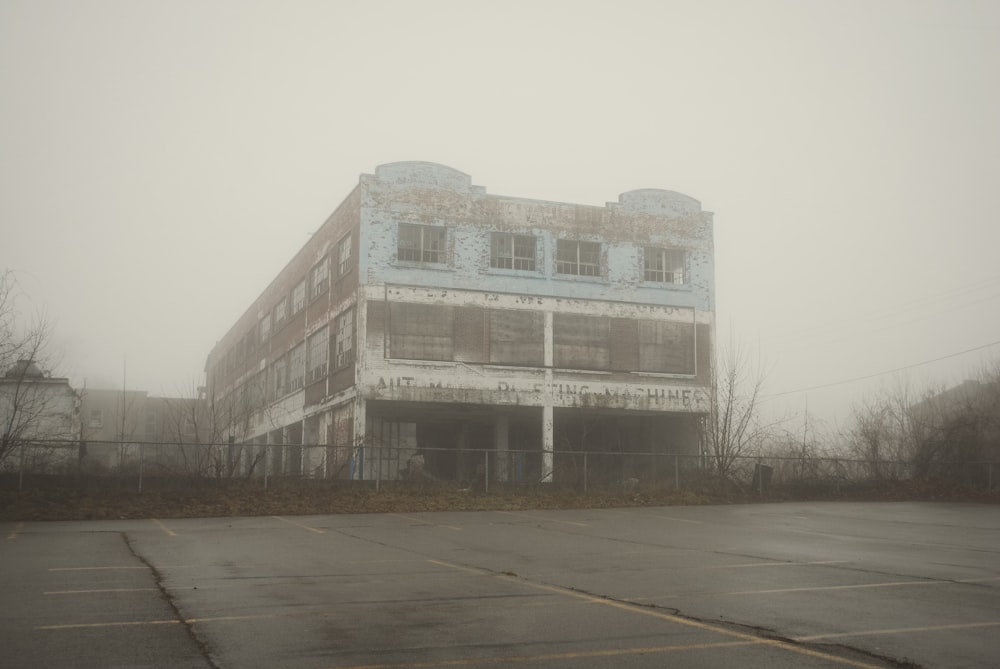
point(93, 592)
point(746, 565)
point(96, 568)
point(425, 522)
point(137, 623)
point(297, 524)
point(124, 623)
point(900, 630)
point(632, 608)
point(890, 584)
point(17, 530)
point(678, 520)
point(170, 533)
point(547, 657)
point(548, 520)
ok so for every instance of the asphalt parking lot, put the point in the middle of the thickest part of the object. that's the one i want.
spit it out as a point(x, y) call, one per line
point(777, 585)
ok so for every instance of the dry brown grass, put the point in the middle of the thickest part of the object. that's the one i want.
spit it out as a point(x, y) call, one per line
point(301, 499)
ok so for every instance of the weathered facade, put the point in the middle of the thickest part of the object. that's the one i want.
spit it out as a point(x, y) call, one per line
point(428, 315)
point(37, 410)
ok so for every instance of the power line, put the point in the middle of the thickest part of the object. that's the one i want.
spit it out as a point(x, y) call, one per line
point(891, 371)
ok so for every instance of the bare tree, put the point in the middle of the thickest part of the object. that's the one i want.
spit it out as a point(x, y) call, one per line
point(33, 405)
point(210, 435)
point(955, 429)
point(732, 428)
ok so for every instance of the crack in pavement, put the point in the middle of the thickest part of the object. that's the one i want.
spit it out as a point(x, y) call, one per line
point(202, 646)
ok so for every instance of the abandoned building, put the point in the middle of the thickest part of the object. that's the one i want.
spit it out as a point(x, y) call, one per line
point(487, 334)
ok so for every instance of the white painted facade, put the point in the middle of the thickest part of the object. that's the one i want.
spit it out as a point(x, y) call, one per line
point(434, 360)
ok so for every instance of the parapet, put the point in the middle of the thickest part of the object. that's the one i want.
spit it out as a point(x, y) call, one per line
point(659, 202)
point(422, 174)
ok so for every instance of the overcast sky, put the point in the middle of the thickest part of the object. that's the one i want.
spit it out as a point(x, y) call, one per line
point(160, 161)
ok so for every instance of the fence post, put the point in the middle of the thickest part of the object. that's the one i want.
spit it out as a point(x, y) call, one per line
point(140, 465)
point(677, 472)
point(486, 472)
point(989, 477)
point(585, 472)
point(760, 476)
point(20, 470)
point(267, 456)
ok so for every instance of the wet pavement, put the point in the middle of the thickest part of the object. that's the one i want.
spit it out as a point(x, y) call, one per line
point(776, 585)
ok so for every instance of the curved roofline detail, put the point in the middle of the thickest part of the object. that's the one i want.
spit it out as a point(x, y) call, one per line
point(426, 174)
point(659, 201)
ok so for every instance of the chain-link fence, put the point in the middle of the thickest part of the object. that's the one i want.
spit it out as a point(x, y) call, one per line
point(137, 465)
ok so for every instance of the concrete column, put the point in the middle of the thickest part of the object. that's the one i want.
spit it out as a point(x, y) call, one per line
point(548, 441)
point(548, 430)
point(463, 469)
point(501, 432)
point(359, 434)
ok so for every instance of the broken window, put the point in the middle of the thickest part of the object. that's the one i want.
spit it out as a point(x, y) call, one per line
point(299, 297)
point(421, 331)
point(280, 313)
point(663, 265)
point(265, 328)
point(517, 337)
point(345, 338)
point(509, 251)
point(317, 354)
point(320, 277)
point(344, 254)
point(580, 258)
point(279, 374)
point(421, 243)
point(581, 342)
point(666, 347)
point(297, 367)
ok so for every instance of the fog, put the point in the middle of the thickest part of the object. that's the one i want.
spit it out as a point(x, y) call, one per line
point(161, 161)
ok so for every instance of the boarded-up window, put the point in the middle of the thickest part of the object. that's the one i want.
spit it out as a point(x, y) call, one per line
point(581, 342)
point(666, 347)
point(420, 331)
point(517, 337)
point(469, 334)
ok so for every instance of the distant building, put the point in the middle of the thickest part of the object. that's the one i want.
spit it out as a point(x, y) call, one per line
point(115, 422)
point(37, 410)
point(427, 314)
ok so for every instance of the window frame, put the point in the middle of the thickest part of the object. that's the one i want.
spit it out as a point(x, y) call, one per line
point(420, 250)
point(319, 278)
point(297, 382)
point(280, 313)
point(523, 262)
point(279, 378)
point(317, 371)
point(664, 254)
point(265, 328)
point(299, 297)
point(345, 256)
point(575, 266)
point(344, 345)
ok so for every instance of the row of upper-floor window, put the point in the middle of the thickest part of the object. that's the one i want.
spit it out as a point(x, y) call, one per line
point(516, 337)
point(306, 363)
point(308, 288)
point(419, 243)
